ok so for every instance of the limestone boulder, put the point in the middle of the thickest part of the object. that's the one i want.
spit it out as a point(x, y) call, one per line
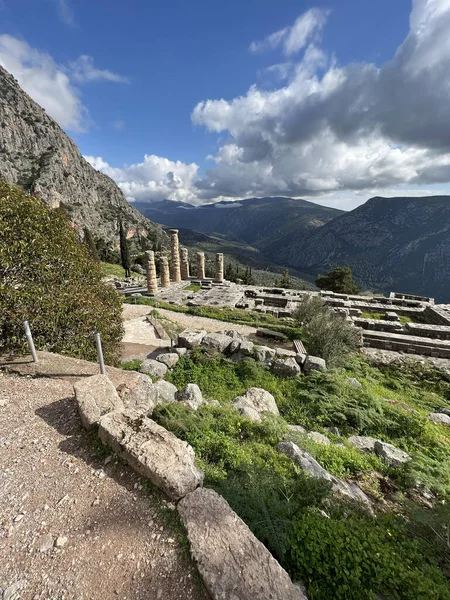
point(217, 341)
point(140, 394)
point(393, 456)
point(282, 353)
point(319, 438)
point(234, 347)
point(288, 367)
point(314, 363)
point(152, 451)
point(232, 333)
point(296, 429)
point(353, 382)
point(246, 348)
point(96, 396)
point(300, 358)
point(181, 351)
point(444, 411)
point(190, 338)
point(362, 442)
point(152, 367)
point(258, 399)
point(166, 391)
point(169, 359)
point(264, 354)
point(232, 562)
point(305, 460)
point(246, 409)
point(190, 395)
point(440, 417)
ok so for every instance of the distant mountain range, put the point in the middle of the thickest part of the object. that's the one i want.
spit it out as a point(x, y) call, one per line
point(400, 244)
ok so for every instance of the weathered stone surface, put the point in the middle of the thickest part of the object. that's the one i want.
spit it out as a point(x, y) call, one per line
point(314, 363)
point(166, 391)
point(296, 429)
point(234, 346)
point(300, 358)
point(152, 451)
point(390, 454)
point(439, 418)
point(140, 394)
point(191, 338)
point(246, 409)
point(232, 333)
point(282, 353)
point(304, 459)
point(247, 348)
point(95, 397)
point(362, 442)
point(154, 368)
point(170, 359)
point(190, 395)
point(444, 411)
point(181, 351)
point(217, 341)
point(263, 353)
point(286, 368)
point(259, 399)
point(319, 438)
point(353, 382)
point(232, 562)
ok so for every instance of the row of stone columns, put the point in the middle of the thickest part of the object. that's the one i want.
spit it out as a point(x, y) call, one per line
point(179, 270)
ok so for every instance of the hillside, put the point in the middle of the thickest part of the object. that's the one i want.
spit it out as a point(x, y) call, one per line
point(259, 222)
point(390, 243)
point(36, 154)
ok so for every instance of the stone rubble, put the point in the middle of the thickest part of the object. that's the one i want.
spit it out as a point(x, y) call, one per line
point(191, 338)
point(190, 396)
point(166, 391)
point(96, 396)
point(153, 367)
point(440, 417)
point(169, 359)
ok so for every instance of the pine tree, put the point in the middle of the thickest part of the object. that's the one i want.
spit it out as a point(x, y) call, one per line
point(89, 241)
point(124, 250)
point(285, 281)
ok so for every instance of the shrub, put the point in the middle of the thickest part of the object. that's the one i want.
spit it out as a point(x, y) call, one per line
point(339, 280)
point(48, 277)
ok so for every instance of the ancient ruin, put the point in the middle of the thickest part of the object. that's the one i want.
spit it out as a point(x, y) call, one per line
point(219, 268)
point(200, 265)
point(184, 263)
point(152, 285)
point(175, 255)
point(164, 268)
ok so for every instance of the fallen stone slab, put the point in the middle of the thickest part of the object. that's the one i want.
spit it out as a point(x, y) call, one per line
point(166, 391)
point(217, 341)
point(154, 368)
point(286, 368)
point(362, 442)
point(314, 363)
point(139, 394)
point(390, 454)
point(440, 417)
point(247, 348)
point(170, 359)
point(181, 351)
point(234, 347)
point(96, 396)
point(269, 333)
point(152, 451)
point(190, 395)
point(282, 353)
point(232, 562)
point(263, 353)
point(191, 338)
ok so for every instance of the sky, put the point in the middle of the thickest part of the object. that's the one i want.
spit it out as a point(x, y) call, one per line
point(333, 101)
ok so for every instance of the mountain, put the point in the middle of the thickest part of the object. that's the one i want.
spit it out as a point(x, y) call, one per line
point(259, 222)
point(36, 154)
point(400, 244)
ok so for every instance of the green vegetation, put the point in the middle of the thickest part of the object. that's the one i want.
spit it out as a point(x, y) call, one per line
point(193, 287)
point(379, 316)
point(110, 269)
point(48, 277)
point(339, 280)
point(132, 365)
point(124, 250)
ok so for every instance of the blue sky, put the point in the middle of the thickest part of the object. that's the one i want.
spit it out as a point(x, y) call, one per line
point(240, 98)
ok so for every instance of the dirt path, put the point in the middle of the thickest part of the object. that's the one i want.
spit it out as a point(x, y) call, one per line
point(210, 325)
point(58, 489)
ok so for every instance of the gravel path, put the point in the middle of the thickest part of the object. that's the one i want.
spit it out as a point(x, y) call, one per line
point(74, 524)
point(210, 325)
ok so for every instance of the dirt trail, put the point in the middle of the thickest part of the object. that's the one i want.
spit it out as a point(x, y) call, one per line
point(57, 490)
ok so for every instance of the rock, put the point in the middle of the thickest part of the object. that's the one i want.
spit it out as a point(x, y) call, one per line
point(247, 348)
point(232, 333)
point(181, 351)
point(154, 368)
point(170, 359)
point(190, 338)
point(217, 341)
point(333, 430)
point(353, 382)
point(286, 368)
point(13, 591)
point(314, 363)
point(296, 429)
point(234, 346)
point(439, 418)
point(214, 403)
point(263, 353)
point(61, 541)
point(258, 399)
point(362, 442)
point(304, 459)
point(390, 454)
point(166, 391)
point(319, 438)
point(300, 358)
point(350, 491)
point(232, 562)
point(143, 396)
point(152, 451)
point(246, 409)
point(190, 395)
point(269, 333)
point(45, 542)
point(282, 353)
point(96, 396)
point(444, 411)
point(237, 357)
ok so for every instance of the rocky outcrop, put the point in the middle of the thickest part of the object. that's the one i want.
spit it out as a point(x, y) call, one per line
point(232, 562)
point(391, 455)
point(190, 396)
point(166, 391)
point(442, 418)
point(36, 154)
point(95, 397)
point(288, 367)
point(152, 451)
point(362, 442)
point(191, 338)
point(139, 394)
point(314, 363)
point(152, 367)
point(257, 399)
point(169, 359)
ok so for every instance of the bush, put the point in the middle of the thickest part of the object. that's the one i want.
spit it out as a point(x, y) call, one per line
point(48, 277)
point(339, 280)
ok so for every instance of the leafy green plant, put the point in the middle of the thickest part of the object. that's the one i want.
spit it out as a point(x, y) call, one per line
point(132, 365)
point(339, 280)
point(48, 277)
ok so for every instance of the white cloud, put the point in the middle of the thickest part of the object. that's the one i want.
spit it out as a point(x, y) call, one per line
point(155, 178)
point(119, 124)
point(329, 128)
point(65, 12)
point(83, 71)
point(294, 38)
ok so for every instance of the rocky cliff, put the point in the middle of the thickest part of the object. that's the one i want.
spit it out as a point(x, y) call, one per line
point(36, 154)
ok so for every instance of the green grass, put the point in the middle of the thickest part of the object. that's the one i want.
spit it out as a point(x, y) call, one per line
point(117, 270)
point(132, 365)
point(193, 287)
point(379, 316)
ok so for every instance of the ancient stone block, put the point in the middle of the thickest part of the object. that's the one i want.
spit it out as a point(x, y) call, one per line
point(190, 338)
point(96, 396)
point(154, 368)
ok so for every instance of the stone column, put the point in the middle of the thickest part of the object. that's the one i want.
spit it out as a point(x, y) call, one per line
point(219, 267)
point(175, 255)
point(152, 286)
point(200, 265)
point(165, 277)
point(184, 263)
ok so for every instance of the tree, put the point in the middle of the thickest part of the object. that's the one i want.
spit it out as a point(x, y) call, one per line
point(339, 280)
point(124, 250)
point(285, 281)
point(48, 278)
point(90, 244)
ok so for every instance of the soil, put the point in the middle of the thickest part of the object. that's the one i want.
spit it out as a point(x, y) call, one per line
point(75, 522)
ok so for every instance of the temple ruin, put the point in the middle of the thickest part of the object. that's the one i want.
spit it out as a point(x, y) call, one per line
point(175, 255)
point(152, 284)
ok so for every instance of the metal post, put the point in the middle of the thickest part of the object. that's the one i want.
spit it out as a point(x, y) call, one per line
point(30, 341)
point(98, 343)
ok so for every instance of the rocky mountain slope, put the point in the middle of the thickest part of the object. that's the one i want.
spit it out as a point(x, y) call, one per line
point(259, 222)
point(400, 244)
point(36, 154)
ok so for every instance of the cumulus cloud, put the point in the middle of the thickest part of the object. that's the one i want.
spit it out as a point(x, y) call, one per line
point(331, 127)
point(83, 71)
point(155, 178)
